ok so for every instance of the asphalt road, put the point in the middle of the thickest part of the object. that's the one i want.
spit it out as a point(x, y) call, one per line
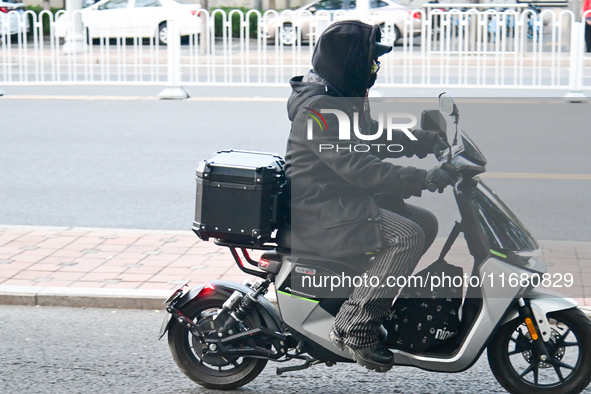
point(53, 350)
point(131, 163)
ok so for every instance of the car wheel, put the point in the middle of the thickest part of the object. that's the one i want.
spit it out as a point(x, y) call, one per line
point(288, 34)
point(163, 34)
point(390, 34)
point(89, 39)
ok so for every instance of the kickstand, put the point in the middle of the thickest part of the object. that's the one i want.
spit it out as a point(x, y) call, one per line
point(309, 362)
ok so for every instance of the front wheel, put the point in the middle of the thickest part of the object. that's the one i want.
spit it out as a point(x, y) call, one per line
point(220, 373)
point(514, 361)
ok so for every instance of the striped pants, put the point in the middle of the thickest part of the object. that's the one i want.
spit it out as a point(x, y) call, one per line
point(406, 239)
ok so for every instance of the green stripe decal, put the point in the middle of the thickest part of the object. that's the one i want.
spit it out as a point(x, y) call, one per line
point(498, 253)
point(301, 298)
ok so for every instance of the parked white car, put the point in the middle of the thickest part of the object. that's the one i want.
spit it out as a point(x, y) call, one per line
point(11, 12)
point(389, 14)
point(136, 18)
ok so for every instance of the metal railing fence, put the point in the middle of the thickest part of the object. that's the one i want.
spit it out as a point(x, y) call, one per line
point(473, 48)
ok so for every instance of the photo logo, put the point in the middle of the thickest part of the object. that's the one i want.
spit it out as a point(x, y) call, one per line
point(316, 119)
point(391, 121)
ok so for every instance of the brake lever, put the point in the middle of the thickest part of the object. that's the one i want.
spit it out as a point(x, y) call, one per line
point(444, 165)
point(445, 154)
point(460, 179)
point(441, 154)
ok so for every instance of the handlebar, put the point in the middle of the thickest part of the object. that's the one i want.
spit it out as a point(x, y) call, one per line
point(432, 187)
point(444, 165)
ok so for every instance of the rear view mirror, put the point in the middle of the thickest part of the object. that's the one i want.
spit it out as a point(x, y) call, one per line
point(446, 104)
point(448, 107)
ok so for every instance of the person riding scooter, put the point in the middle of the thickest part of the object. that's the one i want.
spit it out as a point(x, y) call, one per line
point(347, 202)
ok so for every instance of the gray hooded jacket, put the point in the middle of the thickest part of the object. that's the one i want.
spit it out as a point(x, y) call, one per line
point(335, 193)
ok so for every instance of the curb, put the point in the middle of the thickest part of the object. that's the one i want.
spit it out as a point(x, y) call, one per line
point(80, 297)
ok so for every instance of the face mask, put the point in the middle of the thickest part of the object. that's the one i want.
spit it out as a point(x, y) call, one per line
point(374, 73)
point(372, 80)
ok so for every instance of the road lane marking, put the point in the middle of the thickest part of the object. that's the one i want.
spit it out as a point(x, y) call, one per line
point(133, 98)
point(75, 97)
point(532, 175)
point(257, 99)
point(282, 99)
point(477, 100)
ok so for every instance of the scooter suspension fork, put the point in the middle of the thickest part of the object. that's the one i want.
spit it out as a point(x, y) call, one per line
point(527, 315)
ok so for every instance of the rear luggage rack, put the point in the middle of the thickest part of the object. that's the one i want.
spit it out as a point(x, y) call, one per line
point(242, 247)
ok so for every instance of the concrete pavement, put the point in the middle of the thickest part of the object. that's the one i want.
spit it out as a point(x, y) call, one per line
point(121, 268)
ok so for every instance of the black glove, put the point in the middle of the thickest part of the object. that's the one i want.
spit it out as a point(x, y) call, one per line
point(437, 179)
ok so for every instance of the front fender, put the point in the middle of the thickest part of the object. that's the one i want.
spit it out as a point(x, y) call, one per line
point(543, 301)
point(266, 310)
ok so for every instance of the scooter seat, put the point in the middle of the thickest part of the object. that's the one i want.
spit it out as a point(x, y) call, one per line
point(285, 239)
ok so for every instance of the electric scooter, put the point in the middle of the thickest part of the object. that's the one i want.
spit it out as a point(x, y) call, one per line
point(222, 334)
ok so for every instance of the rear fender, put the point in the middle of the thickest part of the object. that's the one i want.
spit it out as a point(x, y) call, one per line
point(266, 310)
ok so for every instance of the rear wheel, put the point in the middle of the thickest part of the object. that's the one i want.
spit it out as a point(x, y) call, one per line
point(514, 361)
point(221, 373)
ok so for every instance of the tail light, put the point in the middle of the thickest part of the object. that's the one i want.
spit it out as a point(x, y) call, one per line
point(263, 263)
point(4, 9)
point(416, 15)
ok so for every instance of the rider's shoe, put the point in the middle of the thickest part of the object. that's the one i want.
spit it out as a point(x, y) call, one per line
point(378, 358)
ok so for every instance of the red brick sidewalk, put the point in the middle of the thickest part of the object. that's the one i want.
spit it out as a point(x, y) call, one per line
point(109, 258)
point(162, 260)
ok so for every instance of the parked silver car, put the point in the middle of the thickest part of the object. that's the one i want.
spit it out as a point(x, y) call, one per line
point(136, 18)
point(10, 15)
point(389, 14)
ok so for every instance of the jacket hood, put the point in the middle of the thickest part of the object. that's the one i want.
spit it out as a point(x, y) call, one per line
point(304, 87)
point(344, 56)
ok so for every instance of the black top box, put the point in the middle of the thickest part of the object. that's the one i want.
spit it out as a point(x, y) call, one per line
point(238, 196)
